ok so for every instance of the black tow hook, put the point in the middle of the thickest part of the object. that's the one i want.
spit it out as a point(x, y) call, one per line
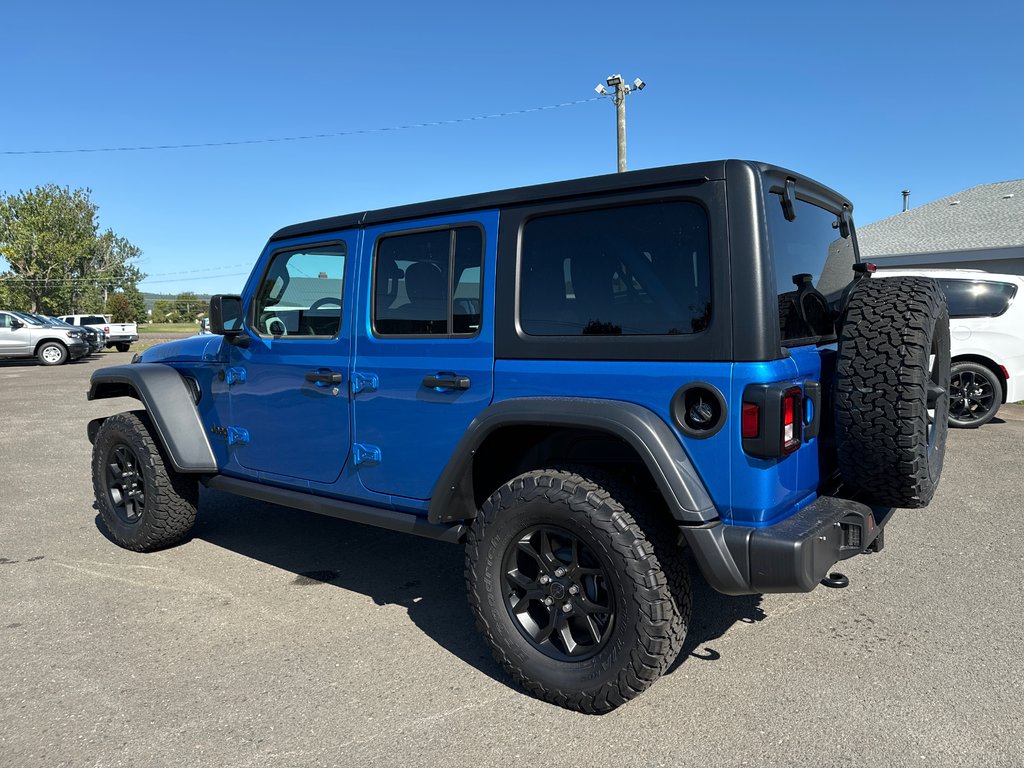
point(836, 580)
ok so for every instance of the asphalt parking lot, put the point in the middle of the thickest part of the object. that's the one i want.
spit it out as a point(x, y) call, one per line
point(279, 638)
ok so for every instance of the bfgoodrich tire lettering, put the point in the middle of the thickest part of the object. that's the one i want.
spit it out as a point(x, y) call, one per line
point(645, 576)
point(143, 502)
point(892, 390)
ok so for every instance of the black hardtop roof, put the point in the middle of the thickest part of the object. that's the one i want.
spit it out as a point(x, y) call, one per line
point(650, 177)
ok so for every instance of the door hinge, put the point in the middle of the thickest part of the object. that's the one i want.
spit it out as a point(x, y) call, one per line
point(235, 376)
point(364, 382)
point(238, 436)
point(363, 453)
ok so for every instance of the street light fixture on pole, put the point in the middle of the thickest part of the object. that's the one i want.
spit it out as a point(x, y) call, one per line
point(621, 89)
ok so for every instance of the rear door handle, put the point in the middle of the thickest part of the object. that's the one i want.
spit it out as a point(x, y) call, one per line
point(446, 380)
point(324, 377)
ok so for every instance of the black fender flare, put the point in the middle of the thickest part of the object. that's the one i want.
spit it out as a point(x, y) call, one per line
point(171, 407)
point(656, 444)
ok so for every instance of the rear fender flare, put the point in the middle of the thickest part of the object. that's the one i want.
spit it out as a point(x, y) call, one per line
point(647, 433)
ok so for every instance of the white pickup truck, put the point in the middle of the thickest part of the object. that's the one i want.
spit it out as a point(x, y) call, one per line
point(120, 335)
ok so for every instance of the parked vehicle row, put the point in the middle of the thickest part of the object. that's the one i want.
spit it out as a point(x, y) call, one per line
point(24, 335)
point(119, 335)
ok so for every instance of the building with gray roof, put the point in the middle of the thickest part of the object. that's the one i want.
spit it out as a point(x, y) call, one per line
point(979, 228)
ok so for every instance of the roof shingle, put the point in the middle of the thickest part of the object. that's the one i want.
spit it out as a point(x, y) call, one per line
point(986, 216)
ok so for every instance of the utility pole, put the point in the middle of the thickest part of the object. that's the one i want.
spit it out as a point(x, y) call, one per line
point(621, 89)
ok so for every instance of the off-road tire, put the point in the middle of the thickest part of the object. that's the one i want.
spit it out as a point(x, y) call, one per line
point(52, 353)
point(984, 382)
point(642, 560)
point(892, 390)
point(123, 347)
point(168, 508)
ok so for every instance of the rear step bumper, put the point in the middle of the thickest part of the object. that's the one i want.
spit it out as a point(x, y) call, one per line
point(791, 556)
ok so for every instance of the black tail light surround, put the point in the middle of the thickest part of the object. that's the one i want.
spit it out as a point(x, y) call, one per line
point(773, 418)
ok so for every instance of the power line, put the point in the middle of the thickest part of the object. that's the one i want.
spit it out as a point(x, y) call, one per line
point(242, 142)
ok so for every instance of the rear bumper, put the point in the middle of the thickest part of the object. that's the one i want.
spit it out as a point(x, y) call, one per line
point(793, 555)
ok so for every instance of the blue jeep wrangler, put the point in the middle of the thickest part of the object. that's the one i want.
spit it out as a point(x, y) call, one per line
point(580, 381)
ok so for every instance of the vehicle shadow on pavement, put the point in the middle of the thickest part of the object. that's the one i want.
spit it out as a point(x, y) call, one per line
point(423, 576)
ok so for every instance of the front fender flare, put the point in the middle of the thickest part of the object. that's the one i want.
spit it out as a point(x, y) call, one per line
point(170, 405)
point(656, 444)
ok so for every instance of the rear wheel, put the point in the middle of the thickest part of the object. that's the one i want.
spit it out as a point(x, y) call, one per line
point(975, 394)
point(122, 347)
point(581, 592)
point(52, 353)
point(143, 502)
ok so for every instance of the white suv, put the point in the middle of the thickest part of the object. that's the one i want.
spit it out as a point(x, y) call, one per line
point(986, 328)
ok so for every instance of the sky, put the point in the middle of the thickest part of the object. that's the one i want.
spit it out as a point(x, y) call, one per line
point(869, 98)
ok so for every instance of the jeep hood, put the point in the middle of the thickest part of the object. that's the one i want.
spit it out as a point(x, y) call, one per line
point(192, 349)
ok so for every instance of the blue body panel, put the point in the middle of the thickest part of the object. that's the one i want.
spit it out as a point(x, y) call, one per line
point(417, 428)
point(746, 490)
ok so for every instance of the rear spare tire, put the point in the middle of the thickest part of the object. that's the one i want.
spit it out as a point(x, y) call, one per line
point(892, 390)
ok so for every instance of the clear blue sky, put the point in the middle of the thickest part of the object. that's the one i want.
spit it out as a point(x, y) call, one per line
point(867, 97)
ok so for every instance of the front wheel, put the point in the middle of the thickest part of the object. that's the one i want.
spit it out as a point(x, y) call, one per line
point(143, 502)
point(975, 394)
point(52, 353)
point(580, 591)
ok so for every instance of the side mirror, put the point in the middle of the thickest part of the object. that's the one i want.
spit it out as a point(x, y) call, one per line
point(16, 324)
point(226, 315)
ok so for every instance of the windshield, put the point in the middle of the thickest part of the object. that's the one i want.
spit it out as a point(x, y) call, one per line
point(813, 266)
point(28, 318)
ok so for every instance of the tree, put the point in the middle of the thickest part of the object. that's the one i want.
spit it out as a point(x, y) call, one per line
point(186, 307)
point(120, 309)
point(58, 262)
point(139, 312)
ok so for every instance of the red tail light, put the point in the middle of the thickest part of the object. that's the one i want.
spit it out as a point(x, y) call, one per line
point(751, 420)
point(106, 329)
point(792, 417)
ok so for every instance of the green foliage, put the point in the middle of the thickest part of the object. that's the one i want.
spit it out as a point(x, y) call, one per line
point(59, 262)
point(139, 312)
point(185, 308)
point(120, 308)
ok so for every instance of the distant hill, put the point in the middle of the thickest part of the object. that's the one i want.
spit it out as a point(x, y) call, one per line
point(149, 298)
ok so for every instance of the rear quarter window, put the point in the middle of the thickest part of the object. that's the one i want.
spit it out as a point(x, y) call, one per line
point(977, 298)
point(635, 270)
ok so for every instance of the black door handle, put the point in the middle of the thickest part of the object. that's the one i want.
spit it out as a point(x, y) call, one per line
point(324, 377)
point(446, 380)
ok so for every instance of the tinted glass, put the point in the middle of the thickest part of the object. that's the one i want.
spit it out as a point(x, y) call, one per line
point(626, 271)
point(977, 298)
point(809, 245)
point(301, 293)
point(93, 320)
point(412, 276)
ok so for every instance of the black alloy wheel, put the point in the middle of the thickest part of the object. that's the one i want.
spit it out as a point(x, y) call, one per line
point(126, 485)
point(143, 502)
point(557, 593)
point(974, 395)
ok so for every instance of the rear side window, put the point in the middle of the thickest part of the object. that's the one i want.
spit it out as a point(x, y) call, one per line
point(977, 298)
point(92, 320)
point(813, 266)
point(626, 271)
point(428, 283)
